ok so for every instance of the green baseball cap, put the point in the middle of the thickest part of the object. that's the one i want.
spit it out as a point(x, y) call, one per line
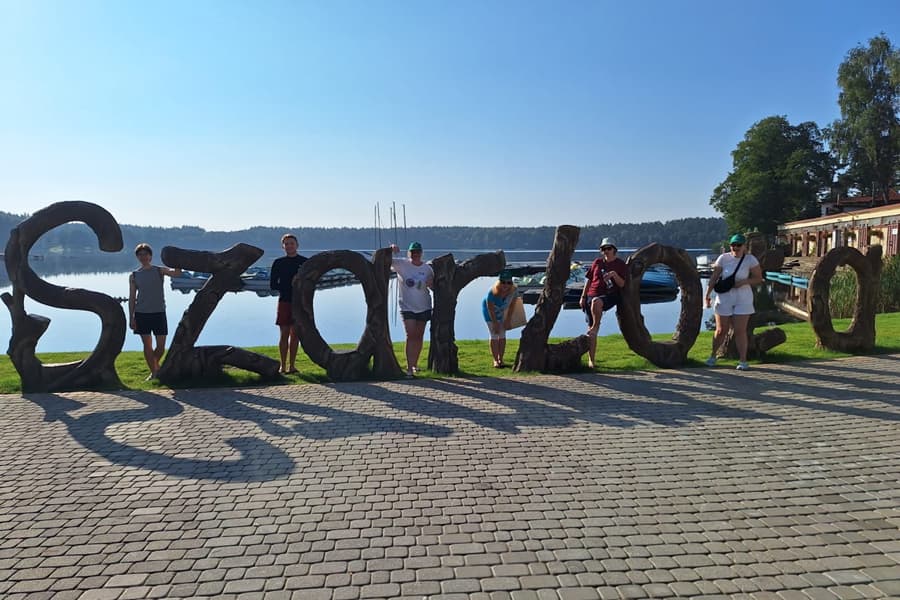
point(737, 239)
point(414, 246)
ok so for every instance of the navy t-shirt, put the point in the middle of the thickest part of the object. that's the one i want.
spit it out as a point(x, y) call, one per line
point(282, 274)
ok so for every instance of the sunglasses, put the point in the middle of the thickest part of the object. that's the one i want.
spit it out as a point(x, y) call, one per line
point(506, 283)
point(605, 248)
point(736, 245)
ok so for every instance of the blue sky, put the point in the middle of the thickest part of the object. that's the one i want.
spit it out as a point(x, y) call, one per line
point(228, 114)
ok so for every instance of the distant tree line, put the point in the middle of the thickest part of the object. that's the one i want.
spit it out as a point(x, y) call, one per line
point(77, 239)
point(783, 172)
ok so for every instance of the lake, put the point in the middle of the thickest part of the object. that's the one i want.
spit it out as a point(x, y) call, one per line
point(245, 319)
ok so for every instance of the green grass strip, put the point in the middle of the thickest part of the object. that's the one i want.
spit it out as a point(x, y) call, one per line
point(613, 355)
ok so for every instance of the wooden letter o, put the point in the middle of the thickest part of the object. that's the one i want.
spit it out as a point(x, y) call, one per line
point(668, 354)
point(860, 336)
point(375, 341)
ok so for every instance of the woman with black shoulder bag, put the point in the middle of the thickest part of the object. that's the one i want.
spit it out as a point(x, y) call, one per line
point(734, 275)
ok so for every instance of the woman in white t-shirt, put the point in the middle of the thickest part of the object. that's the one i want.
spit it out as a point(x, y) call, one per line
point(734, 308)
point(415, 279)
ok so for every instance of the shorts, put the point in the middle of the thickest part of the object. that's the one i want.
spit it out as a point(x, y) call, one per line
point(496, 336)
point(285, 313)
point(151, 323)
point(608, 303)
point(734, 302)
point(409, 315)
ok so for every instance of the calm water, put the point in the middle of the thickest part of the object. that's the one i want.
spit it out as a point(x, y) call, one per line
point(245, 319)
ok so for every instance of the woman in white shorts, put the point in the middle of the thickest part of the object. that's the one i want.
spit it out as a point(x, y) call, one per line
point(734, 307)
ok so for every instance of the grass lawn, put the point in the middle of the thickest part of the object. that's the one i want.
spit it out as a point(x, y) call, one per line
point(613, 355)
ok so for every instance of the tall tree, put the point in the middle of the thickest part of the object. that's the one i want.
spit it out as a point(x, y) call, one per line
point(867, 136)
point(779, 171)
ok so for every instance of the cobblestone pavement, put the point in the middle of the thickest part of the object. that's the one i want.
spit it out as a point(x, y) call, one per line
point(781, 482)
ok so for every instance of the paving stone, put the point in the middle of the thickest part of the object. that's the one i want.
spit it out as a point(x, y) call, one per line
point(127, 580)
point(695, 483)
point(889, 587)
point(384, 590)
point(305, 582)
point(583, 593)
point(210, 588)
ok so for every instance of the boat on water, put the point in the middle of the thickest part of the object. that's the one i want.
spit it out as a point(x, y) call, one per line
point(256, 279)
point(658, 284)
point(705, 264)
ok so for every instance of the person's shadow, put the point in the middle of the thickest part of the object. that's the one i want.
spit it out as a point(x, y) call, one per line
point(195, 446)
point(508, 405)
point(255, 460)
point(178, 436)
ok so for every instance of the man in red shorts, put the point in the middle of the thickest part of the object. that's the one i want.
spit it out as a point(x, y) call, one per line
point(281, 278)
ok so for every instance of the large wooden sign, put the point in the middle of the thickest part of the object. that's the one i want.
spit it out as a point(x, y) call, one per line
point(449, 280)
point(535, 353)
point(373, 356)
point(98, 369)
point(375, 344)
point(671, 353)
point(860, 336)
point(184, 361)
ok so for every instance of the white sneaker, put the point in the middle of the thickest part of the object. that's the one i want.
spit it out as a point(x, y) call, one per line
point(742, 366)
point(711, 361)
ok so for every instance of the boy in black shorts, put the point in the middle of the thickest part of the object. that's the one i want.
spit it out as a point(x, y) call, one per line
point(147, 305)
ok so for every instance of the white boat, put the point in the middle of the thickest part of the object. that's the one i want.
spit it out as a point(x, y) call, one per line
point(577, 273)
point(705, 264)
point(658, 284)
point(256, 279)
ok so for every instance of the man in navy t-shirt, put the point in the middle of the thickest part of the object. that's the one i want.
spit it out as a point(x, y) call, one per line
point(281, 278)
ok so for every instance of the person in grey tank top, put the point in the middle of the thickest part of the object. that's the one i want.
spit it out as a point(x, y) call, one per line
point(147, 305)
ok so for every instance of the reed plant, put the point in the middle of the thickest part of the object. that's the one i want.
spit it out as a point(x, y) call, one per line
point(842, 299)
point(889, 298)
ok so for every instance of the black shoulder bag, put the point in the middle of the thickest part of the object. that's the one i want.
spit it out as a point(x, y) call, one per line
point(725, 284)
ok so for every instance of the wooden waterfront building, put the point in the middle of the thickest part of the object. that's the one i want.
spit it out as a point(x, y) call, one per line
point(855, 228)
point(855, 222)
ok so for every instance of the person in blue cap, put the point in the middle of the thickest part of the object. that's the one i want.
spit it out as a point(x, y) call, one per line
point(415, 278)
point(734, 307)
point(495, 309)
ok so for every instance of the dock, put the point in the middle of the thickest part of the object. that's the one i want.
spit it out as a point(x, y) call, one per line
point(259, 282)
point(792, 285)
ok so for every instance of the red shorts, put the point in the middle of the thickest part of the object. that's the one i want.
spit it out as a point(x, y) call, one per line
point(285, 314)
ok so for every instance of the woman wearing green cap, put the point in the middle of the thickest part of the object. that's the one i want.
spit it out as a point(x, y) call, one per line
point(415, 278)
point(495, 309)
point(734, 307)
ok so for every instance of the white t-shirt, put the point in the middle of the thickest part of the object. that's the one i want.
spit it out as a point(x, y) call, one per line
point(729, 262)
point(413, 280)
